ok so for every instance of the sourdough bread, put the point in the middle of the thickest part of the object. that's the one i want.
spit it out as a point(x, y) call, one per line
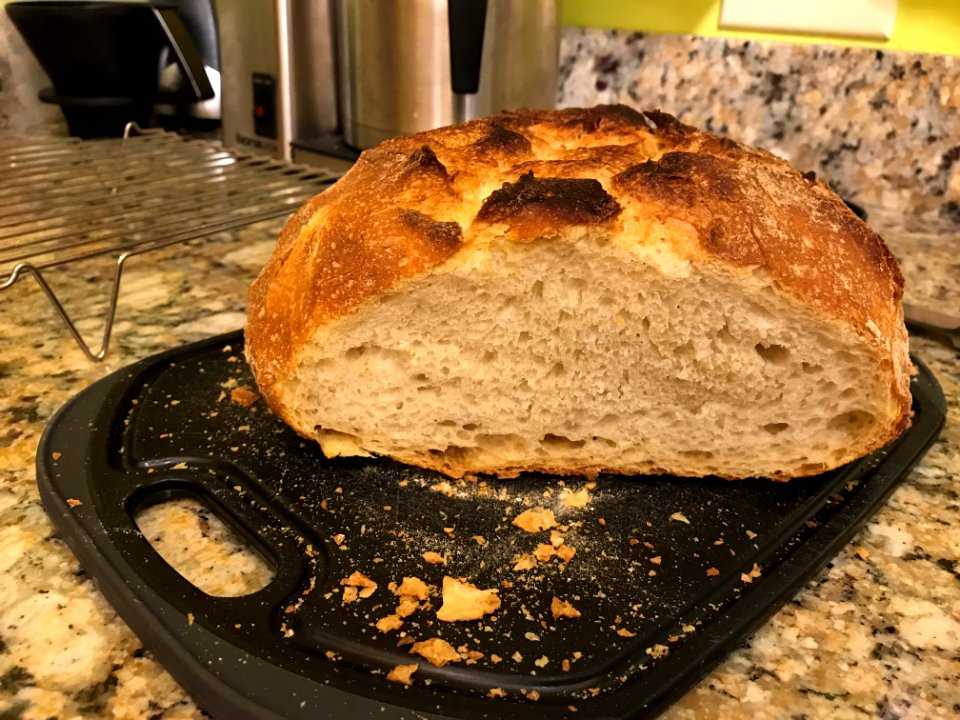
point(583, 291)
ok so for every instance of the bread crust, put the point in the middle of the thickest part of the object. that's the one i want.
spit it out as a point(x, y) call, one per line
point(414, 203)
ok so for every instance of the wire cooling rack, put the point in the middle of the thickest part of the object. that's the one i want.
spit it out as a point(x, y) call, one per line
point(63, 200)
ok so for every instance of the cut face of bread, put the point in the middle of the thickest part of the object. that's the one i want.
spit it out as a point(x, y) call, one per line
point(580, 357)
point(579, 292)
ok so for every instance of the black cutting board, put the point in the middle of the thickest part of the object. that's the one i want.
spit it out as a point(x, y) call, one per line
point(658, 576)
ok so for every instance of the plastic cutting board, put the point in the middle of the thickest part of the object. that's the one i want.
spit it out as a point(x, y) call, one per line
point(670, 575)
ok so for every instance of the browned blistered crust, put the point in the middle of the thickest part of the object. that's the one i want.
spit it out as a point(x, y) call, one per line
point(414, 202)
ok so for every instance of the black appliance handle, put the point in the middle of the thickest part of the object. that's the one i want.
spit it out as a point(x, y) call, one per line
point(466, 21)
point(185, 52)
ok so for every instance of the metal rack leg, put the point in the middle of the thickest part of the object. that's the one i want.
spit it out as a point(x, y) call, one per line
point(27, 268)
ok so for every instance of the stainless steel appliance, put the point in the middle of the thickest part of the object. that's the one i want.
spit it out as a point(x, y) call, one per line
point(300, 77)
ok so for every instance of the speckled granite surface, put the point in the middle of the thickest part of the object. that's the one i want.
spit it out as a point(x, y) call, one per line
point(875, 635)
point(883, 128)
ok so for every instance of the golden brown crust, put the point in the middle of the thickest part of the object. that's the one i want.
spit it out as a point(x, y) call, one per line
point(412, 203)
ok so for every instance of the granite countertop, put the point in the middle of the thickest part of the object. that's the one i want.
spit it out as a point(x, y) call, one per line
point(876, 634)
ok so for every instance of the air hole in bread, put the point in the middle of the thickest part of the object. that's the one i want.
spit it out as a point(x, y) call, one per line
point(537, 289)
point(557, 370)
point(776, 428)
point(560, 442)
point(773, 354)
point(686, 350)
point(811, 368)
point(606, 441)
point(489, 356)
point(759, 314)
point(470, 427)
point(505, 442)
point(697, 454)
point(851, 420)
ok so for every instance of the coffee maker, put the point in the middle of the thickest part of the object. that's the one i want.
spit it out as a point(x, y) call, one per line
point(307, 80)
point(113, 62)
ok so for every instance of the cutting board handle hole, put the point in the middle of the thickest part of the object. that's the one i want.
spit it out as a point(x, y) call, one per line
point(196, 542)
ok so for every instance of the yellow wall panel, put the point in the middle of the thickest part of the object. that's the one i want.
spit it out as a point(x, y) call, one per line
point(931, 26)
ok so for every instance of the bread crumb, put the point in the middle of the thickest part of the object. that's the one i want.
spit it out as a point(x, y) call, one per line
point(463, 601)
point(861, 552)
point(413, 587)
point(408, 606)
point(524, 562)
point(532, 695)
point(579, 499)
point(565, 665)
point(496, 693)
point(688, 628)
point(338, 538)
point(623, 632)
point(535, 519)
point(436, 651)
point(366, 587)
point(562, 609)
point(656, 559)
point(658, 651)
point(680, 517)
point(350, 594)
point(401, 673)
point(190, 618)
point(56, 455)
point(517, 657)
point(244, 396)
point(479, 539)
point(389, 623)
point(712, 572)
point(434, 558)
point(751, 534)
point(566, 553)
point(542, 662)
point(495, 659)
point(444, 488)
point(73, 502)
point(754, 573)
point(543, 552)
point(532, 637)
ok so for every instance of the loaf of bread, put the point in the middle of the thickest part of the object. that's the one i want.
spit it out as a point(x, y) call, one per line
point(583, 291)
